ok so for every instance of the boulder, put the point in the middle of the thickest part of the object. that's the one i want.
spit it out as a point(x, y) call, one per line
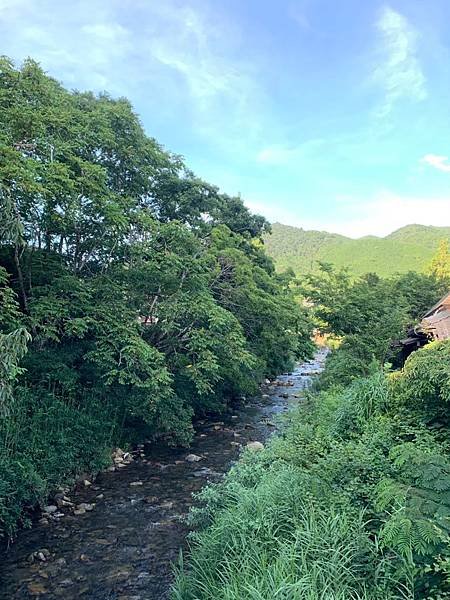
point(255, 446)
point(193, 458)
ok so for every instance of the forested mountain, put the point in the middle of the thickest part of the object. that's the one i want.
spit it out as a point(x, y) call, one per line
point(407, 249)
point(133, 295)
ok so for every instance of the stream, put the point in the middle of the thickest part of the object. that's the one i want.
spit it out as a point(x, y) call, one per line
point(123, 546)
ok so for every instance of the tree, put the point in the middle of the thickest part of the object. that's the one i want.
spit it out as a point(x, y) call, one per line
point(439, 266)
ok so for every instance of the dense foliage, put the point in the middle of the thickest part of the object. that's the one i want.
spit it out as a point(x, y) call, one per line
point(410, 248)
point(132, 293)
point(367, 314)
point(352, 501)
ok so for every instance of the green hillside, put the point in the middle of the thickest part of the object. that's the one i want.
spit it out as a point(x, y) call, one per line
point(407, 249)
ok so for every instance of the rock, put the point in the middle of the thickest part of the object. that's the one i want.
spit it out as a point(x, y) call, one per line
point(151, 499)
point(50, 509)
point(265, 396)
point(86, 505)
point(61, 562)
point(136, 483)
point(235, 444)
point(87, 483)
point(43, 521)
point(36, 589)
point(79, 511)
point(193, 458)
point(255, 446)
point(234, 416)
point(206, 472)
point(43, 555)
point(121, 465)
point(217, 427)
point(100, 496)
point(64, 503)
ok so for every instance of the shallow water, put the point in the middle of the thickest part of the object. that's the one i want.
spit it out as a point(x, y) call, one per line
point(123, 549)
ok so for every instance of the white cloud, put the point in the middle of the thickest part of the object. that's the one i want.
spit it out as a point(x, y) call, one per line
point(182, 55)
point(276, 155)
point(279, 154)
point(379, 215)
point(218, 84)
point(398, 72)
point(436, 161)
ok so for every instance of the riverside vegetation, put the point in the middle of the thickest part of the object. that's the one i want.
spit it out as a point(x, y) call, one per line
point(133, 295)
point(352, 500)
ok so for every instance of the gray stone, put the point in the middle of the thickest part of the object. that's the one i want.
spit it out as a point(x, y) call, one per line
point(255, 446)
point(193, 458)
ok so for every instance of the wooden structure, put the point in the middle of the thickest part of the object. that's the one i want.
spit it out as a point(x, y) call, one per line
point(436, 322)
point(435, 325)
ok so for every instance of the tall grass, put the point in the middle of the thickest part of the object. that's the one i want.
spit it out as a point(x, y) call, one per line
point(276, 541)
point(297, 521)
point(45, 442)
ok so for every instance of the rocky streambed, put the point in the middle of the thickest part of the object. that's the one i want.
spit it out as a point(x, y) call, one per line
point(115, 538)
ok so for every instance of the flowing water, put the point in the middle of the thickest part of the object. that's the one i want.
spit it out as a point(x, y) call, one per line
point(123, 548)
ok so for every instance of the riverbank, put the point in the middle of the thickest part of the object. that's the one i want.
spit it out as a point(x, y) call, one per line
point(123, 548)
point(351, 500)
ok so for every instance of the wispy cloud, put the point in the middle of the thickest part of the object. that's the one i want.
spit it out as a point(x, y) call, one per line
point(398, 72)
point(285, 155)
point(220, 85)
point(437, 162)
point(174, 50)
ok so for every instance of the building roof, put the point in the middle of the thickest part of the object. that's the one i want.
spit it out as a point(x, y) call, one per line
point(444, 302)
point(438, 325)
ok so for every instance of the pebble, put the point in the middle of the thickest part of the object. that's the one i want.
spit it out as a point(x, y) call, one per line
point(255, 446)
point(193, 458)
point(36, 589)
point(50, 509)
point(136, 483)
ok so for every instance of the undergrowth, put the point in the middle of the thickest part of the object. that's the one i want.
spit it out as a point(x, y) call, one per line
point(352, 501)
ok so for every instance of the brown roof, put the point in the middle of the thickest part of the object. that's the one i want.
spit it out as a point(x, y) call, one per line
point(444, 302)
point(438, 325)
point(437, 320)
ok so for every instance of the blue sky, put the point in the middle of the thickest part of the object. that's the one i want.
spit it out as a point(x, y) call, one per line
point(323, 114)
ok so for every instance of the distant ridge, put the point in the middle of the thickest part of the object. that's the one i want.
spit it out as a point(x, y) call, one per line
point(409, 248)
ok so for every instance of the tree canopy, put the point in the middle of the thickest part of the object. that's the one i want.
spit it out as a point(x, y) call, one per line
point(129, 287)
